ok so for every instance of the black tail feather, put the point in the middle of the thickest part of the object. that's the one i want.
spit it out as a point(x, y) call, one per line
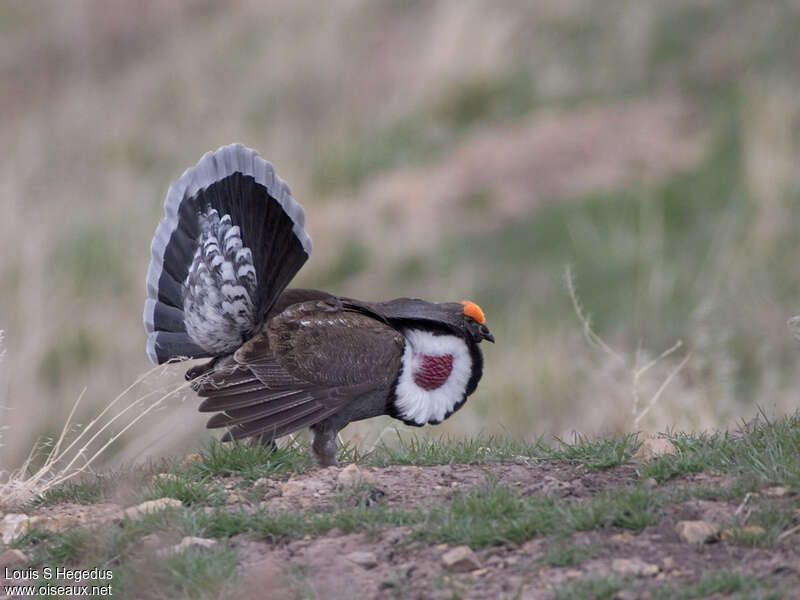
point(231, 240)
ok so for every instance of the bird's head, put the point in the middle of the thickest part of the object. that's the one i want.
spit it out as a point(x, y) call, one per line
point(475, 322)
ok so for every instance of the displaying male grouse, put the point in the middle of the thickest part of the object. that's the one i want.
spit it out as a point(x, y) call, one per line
point(230, 242)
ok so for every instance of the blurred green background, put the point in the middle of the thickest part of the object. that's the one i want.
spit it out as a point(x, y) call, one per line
point(446, 150)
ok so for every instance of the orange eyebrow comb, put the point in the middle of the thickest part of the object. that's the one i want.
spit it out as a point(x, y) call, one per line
point(473, 310)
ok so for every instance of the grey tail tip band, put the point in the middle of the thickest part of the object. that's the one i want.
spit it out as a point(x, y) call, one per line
point(212, 182)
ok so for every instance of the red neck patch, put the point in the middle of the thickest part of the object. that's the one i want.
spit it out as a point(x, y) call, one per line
point(433, 371)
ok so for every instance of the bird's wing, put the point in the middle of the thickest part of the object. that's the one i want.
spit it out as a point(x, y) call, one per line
point(321, 342)
point(303, 366)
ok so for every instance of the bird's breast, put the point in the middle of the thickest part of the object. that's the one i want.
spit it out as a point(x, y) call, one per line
point(433, 371)
point(434, 376)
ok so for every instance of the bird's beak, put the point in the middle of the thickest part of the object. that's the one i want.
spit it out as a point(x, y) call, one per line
point(488, 336)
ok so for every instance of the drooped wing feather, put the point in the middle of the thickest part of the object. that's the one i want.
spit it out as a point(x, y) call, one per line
point(305, 364)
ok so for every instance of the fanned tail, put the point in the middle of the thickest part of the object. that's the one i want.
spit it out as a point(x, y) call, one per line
point(231, 240)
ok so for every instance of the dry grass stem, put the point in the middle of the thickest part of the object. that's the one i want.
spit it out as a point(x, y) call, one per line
point(636, 373)
point(60, 464)
point(585, 319)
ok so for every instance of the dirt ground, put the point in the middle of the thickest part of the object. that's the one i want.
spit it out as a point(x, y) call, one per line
point(392, 563)
point(322, 567)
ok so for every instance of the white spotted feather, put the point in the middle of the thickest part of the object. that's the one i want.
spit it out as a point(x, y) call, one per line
point(220, 286)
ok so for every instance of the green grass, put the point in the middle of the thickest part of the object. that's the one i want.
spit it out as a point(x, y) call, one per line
point(495, 515)
point(81, 492)
point(600, 588)
point(599, 453)
point(724, 583)
point(248, 460)
point(46, 548)
point(596, 454)
point(444, 450)
point(181, 487)
point(775, 517)
point(728, 584)
point(362, 494)
point(201, 574)
point(563, 552)
point(276, 527)
point(204, 574)
point(768, 455)
point(481, 517)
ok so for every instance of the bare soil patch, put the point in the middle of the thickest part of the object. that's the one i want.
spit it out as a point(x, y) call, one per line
point(410, 569)
point(391, 561)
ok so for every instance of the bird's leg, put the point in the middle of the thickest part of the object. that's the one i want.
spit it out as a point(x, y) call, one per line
point(324, 445)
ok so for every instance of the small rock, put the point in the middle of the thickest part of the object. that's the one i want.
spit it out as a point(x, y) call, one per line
point(164, 477)
point(151, 506)
point(14, 525)
point(653, 448)
point(623, 538)
point(733, 532)
point(532, 550)
point(261, 481)
point(791, 566)
point(668, 563)
point(551, 486)
point(150, 542)
point(191, 459)
point(573, 573)
point(185, 544)
point(650, 483)
point(394, 535)
point(12, 557)
point(352, 475)
point(54, 524)
point(315, 485)
point(363, 559)
point(460, 560)
point(293, 487)
point(234, 498)
point(627, 595)
point(777, 491)
point(634, 566)
point(718, 513)
point(581, 538)
point(696, 532)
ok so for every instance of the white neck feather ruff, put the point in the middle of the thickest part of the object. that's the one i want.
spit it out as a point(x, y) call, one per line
point(419, 405)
